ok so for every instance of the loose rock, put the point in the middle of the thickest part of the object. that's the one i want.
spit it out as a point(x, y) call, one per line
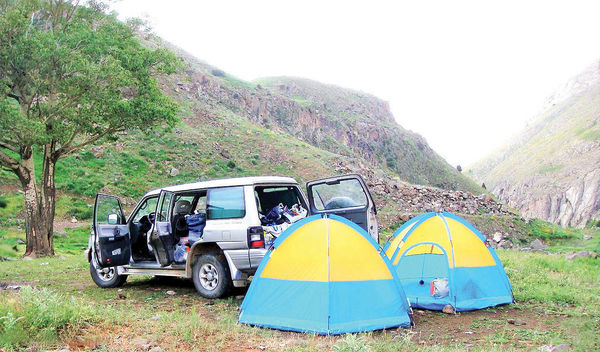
point(448, 309)
point(537, 245)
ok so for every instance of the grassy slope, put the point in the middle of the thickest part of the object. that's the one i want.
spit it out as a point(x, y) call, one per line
point(556, 148)
point(557, 302)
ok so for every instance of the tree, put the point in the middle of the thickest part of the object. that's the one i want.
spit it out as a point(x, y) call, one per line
point(70, 76)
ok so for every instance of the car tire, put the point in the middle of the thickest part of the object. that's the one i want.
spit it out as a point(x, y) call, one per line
point(107, 277)
point(211, 275)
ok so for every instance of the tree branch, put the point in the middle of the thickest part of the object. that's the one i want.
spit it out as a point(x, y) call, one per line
point(9, 162)
point(64, 151)
point(7, 145)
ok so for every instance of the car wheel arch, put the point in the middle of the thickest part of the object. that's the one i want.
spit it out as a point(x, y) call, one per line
point(198, 249)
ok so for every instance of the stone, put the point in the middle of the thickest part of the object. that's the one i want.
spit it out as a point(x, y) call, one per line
point(516, 322)
point(497, 237)
point(173, 172)
point(171, 293)
point(587, 237)
point(156, 349)
point(561, 347)
point(537, 245)
point(155, 317)
point(582, 254)
point(73, 220)
point(98, 151)
point(225, 153)
point(20, 241)
point(448, 309)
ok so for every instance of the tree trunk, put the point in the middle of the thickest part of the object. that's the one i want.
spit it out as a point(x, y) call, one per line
point(38, 224)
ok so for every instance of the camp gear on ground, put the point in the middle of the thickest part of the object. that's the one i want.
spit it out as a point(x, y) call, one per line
point(442, 245)
point(325, 275)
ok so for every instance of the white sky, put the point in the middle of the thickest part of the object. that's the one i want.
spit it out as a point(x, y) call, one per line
point(466, 75)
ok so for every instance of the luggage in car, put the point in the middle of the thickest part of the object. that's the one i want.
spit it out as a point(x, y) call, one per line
point(196, 222)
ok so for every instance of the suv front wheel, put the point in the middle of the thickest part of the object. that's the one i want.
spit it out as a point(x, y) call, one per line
point(107, 277)
point(211, 275)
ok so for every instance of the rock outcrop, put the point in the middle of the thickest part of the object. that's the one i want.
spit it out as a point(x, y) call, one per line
point(552, 169)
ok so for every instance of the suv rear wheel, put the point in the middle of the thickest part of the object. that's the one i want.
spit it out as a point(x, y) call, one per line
point(211, 275)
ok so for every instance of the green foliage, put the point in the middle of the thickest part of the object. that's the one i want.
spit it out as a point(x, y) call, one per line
point(13, 207)
point(542, 229)
point(231, 164)
point(72, 75)
point(40, 315)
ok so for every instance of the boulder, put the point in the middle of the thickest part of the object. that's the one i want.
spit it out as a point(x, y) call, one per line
point(173, 172)
point(537, 245)
point(581, 254)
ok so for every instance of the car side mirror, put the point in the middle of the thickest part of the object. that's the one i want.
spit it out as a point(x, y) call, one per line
point(113, 218)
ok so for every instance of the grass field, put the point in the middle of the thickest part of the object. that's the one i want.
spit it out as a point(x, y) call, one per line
point(59, 306)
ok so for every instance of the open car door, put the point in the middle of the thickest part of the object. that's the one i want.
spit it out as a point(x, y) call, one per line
point(161, 240)
point(112, 245)
point(346, 196)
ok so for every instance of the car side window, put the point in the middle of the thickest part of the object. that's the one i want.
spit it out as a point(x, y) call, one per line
point(225, 203)
point(147, 207)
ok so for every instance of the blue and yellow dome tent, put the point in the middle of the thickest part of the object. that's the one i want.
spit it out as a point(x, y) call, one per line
point(447, 247)
point(325, 275)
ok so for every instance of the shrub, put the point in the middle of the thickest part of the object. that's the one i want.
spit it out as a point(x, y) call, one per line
point(231, 164)
point(217, 73)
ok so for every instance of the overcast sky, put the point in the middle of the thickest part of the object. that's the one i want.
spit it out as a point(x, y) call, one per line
point(466, 75)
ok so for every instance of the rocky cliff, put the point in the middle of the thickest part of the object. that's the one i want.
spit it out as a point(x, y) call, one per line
point(335, 119)
point(552, 169)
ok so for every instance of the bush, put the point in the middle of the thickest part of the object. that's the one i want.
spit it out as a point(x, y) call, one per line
point(2, 203)
point(217, 73)
point(231, 164)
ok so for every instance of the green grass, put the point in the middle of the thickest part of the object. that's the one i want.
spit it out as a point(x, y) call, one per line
point(559, 296)
point(41, 315)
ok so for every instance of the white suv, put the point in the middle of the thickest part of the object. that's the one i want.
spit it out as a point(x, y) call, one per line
point(231, 245)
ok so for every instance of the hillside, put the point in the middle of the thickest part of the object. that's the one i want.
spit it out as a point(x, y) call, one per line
point(334, 119)
point(551, 170)
point(234, 128)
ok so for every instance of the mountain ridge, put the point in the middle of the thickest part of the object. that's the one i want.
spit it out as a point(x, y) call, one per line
point(550, 170)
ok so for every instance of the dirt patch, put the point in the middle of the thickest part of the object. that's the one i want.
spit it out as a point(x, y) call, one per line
point(62, 225)
point(507, 324)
